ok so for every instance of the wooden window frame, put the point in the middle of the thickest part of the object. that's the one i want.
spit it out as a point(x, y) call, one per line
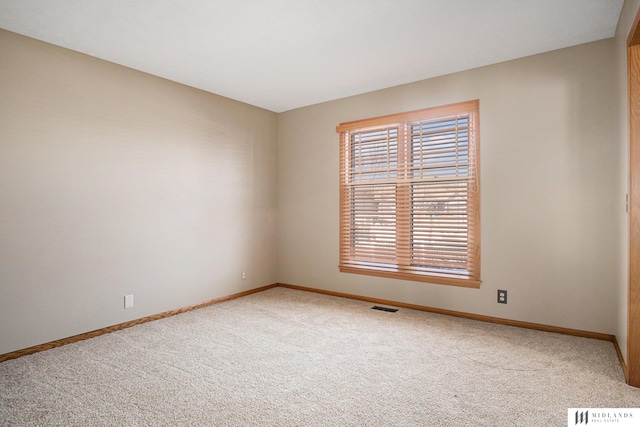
point(403, 210)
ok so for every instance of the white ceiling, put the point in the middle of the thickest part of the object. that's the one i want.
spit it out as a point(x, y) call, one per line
point(285, 54)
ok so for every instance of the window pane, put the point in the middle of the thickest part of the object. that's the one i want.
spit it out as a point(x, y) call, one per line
point(373, 223)
point(440, 149)
point(439, 225)
point(374, 155)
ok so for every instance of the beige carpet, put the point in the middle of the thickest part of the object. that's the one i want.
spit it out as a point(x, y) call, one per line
point(291, 358)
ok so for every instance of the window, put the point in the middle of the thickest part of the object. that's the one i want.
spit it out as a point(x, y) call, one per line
point(410, 196)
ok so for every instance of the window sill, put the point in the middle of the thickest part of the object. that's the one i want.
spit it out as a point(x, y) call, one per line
point(414, 277)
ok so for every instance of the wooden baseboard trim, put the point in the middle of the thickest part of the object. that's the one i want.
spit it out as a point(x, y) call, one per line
point(109, 329)
point(517, 323)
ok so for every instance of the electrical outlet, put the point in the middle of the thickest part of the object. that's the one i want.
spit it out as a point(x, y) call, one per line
point(243, 275)
point(128, 301)
point(502, 296)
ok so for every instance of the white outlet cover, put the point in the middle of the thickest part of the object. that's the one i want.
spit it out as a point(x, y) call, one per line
point(128, 301)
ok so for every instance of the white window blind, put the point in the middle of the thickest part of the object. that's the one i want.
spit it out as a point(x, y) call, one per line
point(410, 196)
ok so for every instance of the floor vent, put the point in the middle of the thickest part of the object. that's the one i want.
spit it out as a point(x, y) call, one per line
point(390, 310)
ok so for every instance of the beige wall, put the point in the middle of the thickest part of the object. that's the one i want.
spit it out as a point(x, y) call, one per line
point(552, 205)
point(115, 182)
